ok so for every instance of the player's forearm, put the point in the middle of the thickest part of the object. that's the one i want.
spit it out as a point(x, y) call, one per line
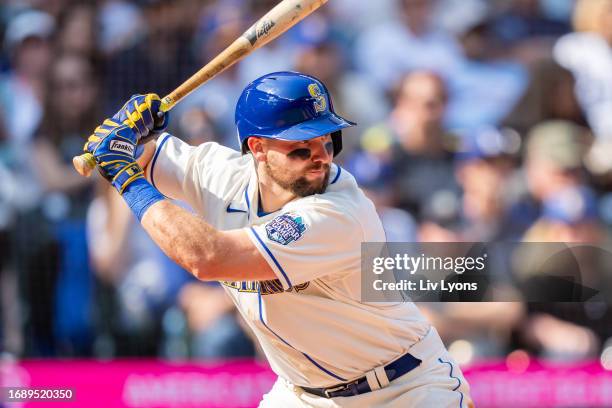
point(186, 238)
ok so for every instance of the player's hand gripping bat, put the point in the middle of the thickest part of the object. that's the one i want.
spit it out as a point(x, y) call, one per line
point(283, 16)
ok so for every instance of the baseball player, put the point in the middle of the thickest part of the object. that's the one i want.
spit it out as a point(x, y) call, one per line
point(280, 226)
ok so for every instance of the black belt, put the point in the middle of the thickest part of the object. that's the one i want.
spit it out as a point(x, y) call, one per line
point(394, 370)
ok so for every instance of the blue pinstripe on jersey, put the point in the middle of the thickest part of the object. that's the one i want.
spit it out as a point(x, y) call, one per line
point(326, 371)
point(159, 149)
point(337, 174)
point(280, 268)
point(456, 378)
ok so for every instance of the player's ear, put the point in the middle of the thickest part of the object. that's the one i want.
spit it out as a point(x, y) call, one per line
point(256, 146)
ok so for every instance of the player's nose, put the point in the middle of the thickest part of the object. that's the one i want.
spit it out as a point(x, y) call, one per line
point(322, 150)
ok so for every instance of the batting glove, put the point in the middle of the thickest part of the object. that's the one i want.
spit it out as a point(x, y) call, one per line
point(140, 113)
point(113, 146)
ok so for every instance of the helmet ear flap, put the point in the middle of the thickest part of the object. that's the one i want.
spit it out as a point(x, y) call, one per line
point(337, 141)
point(245, 146)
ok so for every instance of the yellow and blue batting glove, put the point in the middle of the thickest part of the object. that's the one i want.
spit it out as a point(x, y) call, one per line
point(114, 147)
point(141, 114)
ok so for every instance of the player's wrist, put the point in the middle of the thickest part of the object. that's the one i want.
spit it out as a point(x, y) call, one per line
point(140, 195)
point(126, 175)
point(144, 153)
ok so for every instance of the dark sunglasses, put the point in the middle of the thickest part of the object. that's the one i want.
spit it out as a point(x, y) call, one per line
point(304, 153)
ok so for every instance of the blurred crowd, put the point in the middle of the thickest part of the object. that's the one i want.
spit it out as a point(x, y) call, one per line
point(479, 121)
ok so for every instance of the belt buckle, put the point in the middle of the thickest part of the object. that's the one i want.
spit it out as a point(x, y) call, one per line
point(327, 391)
point(341, 387)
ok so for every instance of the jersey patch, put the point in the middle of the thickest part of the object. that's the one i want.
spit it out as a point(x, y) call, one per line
point(286, 228)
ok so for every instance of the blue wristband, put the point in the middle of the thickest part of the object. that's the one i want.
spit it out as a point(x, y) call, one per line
point(140, 195)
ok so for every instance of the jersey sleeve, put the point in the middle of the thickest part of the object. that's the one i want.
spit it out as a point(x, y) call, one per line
point(302, 245)
point(184, 172)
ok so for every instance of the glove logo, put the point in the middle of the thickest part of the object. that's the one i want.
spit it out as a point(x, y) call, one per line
point(123, 147)
point(286, 228)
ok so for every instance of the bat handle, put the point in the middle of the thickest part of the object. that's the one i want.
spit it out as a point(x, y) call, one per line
point(167, 103)
point(84, 164)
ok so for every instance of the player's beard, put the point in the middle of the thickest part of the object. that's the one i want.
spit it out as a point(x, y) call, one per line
point(299, 186)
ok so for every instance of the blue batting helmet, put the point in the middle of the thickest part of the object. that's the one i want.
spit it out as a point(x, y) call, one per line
point(288, 106)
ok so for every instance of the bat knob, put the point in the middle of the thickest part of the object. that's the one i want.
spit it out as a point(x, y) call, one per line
point(84, 164)
point(166, 104)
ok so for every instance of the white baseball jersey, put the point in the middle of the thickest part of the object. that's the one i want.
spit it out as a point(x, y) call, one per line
point(310, 321)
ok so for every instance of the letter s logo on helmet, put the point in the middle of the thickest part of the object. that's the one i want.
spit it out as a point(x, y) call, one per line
point(288, 106)
point(320, 103)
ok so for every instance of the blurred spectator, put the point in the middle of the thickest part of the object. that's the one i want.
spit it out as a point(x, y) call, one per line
point(385, 52)
point(555, 157)
point(72, 111)
point(72, 81)
point(354, 17)
point(568, 331)
point(195, 127)
point(216, 101)
point(556, 178)
point(159, 61)
point(587, 53)
point(53, 7)
point(549, 96)
point(524, 29)
point(486, 162)
point(568, 215)
point(374, 176)
point(418, 149)
point(457, 16)
point(530, 18)
point(77, 30)
point(22, 89)
point(474, 331)
point(485, 86)
point(554, 160)
point(323, 60)
point(121, 26)
point(217, 331)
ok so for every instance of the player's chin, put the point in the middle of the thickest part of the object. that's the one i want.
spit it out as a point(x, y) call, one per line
point(311, 183)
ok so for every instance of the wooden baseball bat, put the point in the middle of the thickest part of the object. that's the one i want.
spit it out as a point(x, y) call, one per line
point(282, 17)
